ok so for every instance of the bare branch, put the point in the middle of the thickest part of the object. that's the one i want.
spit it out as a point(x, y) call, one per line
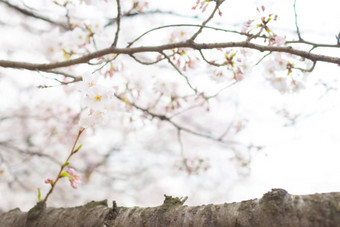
point(218, 3)
point(314, 45)
point(161, 48)
point(75, 78)
point(114, 44)
point(13, 174)
point(187, 109)
point(145, 63)
point(31, 14)
point(221, 90)
point(210, 62)
point(181, 73)
point(132, 14)
point(296, 23)
point(307, 70)
point(180, 142)
point(187, 25)
point(266, 55)
point(177, 126)
point(28, 152)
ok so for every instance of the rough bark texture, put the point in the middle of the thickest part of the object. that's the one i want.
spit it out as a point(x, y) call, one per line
point(275, 208)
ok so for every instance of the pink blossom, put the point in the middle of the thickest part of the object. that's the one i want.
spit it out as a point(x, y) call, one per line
point(203, 5)
point(159, 57)
point(48, 180)
point(280, 83)
point(88, 81)
point(91, 118)
point(96, 97)
point(279, 40)
point(197, 3)
point(246, 27)
point(74, 179)
point(238, 75)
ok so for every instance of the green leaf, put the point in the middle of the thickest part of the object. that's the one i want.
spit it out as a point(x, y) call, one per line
point(39, 195)
point(78, 148)
point(65, 164)
point(64, 174)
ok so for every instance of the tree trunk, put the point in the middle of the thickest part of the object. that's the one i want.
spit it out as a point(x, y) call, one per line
point(275, 208)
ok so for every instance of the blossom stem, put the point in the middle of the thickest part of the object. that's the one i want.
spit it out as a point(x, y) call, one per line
point(73, 151)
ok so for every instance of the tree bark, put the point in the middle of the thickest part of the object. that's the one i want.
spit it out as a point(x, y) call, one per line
point(275, 208)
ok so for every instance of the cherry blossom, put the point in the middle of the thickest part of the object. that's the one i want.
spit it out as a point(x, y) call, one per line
point(91, 118)
point(96, 97)
point(88, 80)
point(280, 40)
point(74, 179)
point(48, 180)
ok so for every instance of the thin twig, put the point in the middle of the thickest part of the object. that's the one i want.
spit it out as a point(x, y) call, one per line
point(177, 126)
point(145, 63)
point(75, 78)
point(73, 151)
point(181, 73)
point(132, 14)
point(296, 23)
point(28, 152)
point(314, 45)
point(307, 70)
point(31, 14)
point(186, 25)
point(266, 55)
point(210, 62)
point(114, 44)
point(187, 109)
point(181, 147)
point(14, 175)
point(221, 90)
point(218, 3)
point(61, 83)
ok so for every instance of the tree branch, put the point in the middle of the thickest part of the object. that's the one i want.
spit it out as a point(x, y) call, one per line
point(187, 25)
point(28, 152)
point(296, 23)
point(218, 3)
point(31, 14)
point(197, 46)
point(180, 72)
point(275, 207)
point(163, 117)
point(133, 14)
point(114, 44)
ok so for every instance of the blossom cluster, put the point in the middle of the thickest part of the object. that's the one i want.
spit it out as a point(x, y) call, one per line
point(203, 5)
point(74, 179)
point(96, 98)
point(233, 62)
point(282, 73)
point(70, 173)
point(194, 165)
point(182, 57)
point(81, 36)
point(257, 28)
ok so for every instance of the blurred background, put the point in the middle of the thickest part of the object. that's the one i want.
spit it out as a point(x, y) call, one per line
point(258, 133)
